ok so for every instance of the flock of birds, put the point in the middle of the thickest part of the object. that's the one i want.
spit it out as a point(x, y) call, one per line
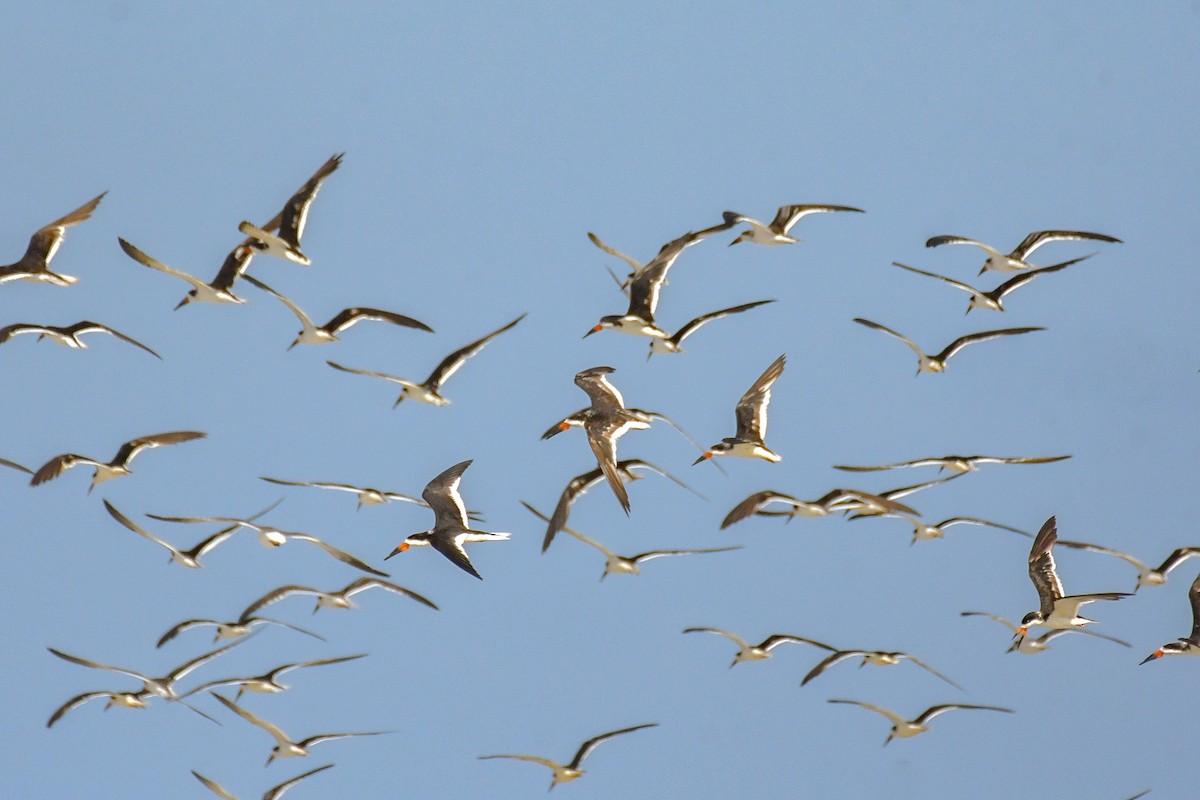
point(604, 422)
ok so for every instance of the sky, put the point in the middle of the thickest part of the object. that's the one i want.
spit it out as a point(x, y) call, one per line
point(482, 143)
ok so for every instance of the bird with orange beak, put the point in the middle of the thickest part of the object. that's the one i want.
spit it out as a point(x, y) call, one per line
point(1188, 645)
point(751, 413)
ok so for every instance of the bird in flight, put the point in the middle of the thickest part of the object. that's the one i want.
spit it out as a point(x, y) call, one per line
point(290, 221)
point(776, 232)
point(937, 361)
point(751, 414)
point(35, 264)
point(563, 773)
point(120, 463)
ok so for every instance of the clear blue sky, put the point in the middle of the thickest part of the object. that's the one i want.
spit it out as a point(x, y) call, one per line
point(481, 145)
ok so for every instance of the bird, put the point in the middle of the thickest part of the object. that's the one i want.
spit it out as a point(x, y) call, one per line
point(35, 264)
point(431, 390)
point(751, 415)
point(1036, 644)
point(776, 232)
point(606, 421)
point(120, 699)
point(672, 343)
point(1057, 610)
point(291, 220)
point(284, 746)
point(760, 651)
point(120, 463)
point(579, 485)
point(269, 536)
point(324, 334)
point(564, 773)
point(923, 531)
point(627, 565)
point(334, 599)
point(955, 463)
point(274, 793)
point(879, 657)
point(668, 252)
point(1017, 259)
point(903, 729)
point(994, 299)
point(831, 501)
point(188, 558)
point(1185, 645)
point(231, 629)
point(577, 419)
point(450, 531)
point(1147, 575)
point(68, 335)
point(268, 682)
point(937, 362)
point(220, 290)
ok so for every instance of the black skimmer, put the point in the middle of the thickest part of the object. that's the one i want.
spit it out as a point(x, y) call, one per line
point(274, 793)
point(923, 531)
point(334, 599)
point(672, 344)
point(579, 485)
point(68, 335)
point(777, 231)
point(323, 334)
point(1185, 645)
point(903, 728)
point(937, 361)
point(119, 699)
point(269, 536)
point(1017, 259)
point(1147, 575)
point(871, 509)
point(4, 462)
point(367, 496)
point(627, 565)
point(284, 746)
point(955, 463)
point(994, 299)
point(1032, 645)
point(290, 221)
point(606, 421)
point(118, 466)
point(1057, 610)
point(881, 658)
point(666, 254)
point(268, 682)
point(232, 629)
point(563, 773)
point(760, 651)
point(430, 390)
point(751, 415)
point(834, 500)
point(35, 264)
point(450, 531)
point(188, 558)
point(221, 288)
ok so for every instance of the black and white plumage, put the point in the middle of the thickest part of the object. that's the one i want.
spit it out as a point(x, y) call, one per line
point(1147, 575)
point(268, 682)
point(606, 421)
point(751, 414)
point(119, 699)
point(1057, 609)
point(35, 264)
point(68, 335)
point(564, 773)
point(924, 531)
point(954, 463)
point(760, 651)
point(120, 463)
point(1018, 258)
point(878, 657)
point(937, 362)
point(311, 333)
point(188, 558)
point(1185, 645)
point(674, 342)
point(580, 484)
point(220, 290)
point(231, 629)
point(430, 390)
point(776, 232)
point(451, 531)
point(284, 746)
point(339, 598)
point(1033, 645)
point(290, 222)
point(993, 299)
point(903, 728)
point(274, 793)
point(845, 500)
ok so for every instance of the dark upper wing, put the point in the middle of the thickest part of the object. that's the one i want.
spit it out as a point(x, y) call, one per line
point(350, 316)
point(751, 411)
point(752, 504)
point(1041, 566)
point(787, 216)
point(577, 486)
point(603, 440)
point(451, 547)
point(233, 267)
point(604, 395)
point(295, 212)
point(981, 336)
point(451, 363)
point(443, 497)
point(590, 744)
point(45, 243)
point(87, 326)
point(131, 448)
point(1038, 238)
point(1194, 597)
point(690, 327)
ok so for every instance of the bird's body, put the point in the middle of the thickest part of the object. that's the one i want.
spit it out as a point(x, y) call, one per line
point(762, 650)
point(35, 264)
point(604, 422)
point(882, 658)
point(1017, 259)
point(937, 361)
point(776, 233)
point(1185, 645)
point(220, 290)
point(904, 729)
point(751, 414)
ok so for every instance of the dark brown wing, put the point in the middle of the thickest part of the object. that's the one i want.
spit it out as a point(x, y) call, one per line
point(132, 448)
point(602, 436)
point(350, 316)
point(604, 395)
point(577, 486)
point(751, 411)
point(45, 243)
point(443, 497)
point(1194, 597)
point(451, 363)
point(1041, 567)
point(295, 212)
point(752, 504)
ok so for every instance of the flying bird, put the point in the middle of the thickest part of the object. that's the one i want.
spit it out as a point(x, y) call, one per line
point(937, 362)
point(672, 343)
point(274, 793)
point(903, 729)
point(68, 335)
point(220, 290)
point(119, 699)
point(776, 232)
point(450, 531)
point(1147, 575)
point(118, 466)
point(231, 629)
point(291, 220)
point(955, 463)
point(834, 500)
point(35, 264)
point(334, 599)
point(188, 558)
point(751, 415)
point(1017, 259)
point(1033, 645)
point(923, 531)
point(879, 657)
point(760, 651)
point(284, 746)
point(606, 421)
point(564, 773)
point(431, 390)
point(313, 334)
point(268, 682)
point(994, 299)
point(1185, 645)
